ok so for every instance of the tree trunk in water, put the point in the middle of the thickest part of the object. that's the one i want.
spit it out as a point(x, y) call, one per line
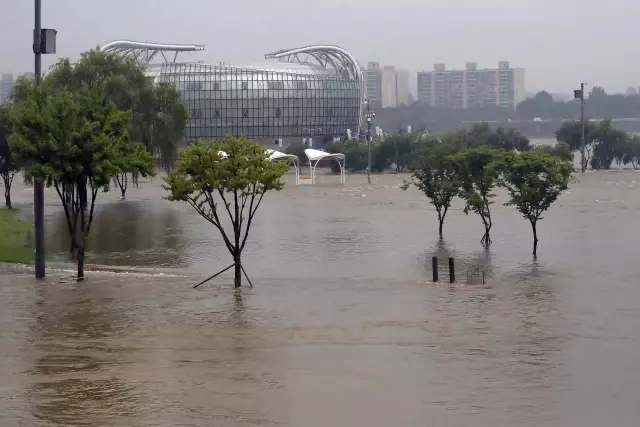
point(237, 282)
point(441, 221)
point(123, 184)
point(535, 239)
point(80, 257)
point(486, 239)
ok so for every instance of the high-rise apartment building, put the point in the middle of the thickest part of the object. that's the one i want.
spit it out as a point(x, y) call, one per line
point(373, 84)
point(389, 90)
point(386, 87)
point(403, 96)
point(7, 81)
point(503, 86)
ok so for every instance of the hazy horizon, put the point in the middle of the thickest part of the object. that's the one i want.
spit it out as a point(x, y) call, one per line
point(544, 37)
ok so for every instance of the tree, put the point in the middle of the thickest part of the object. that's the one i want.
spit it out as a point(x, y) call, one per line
point(610, 145)
point(571, 133)
point(477, 179)
point(534, 181)
point(632, 152)
point(168, 123)
point(70, 141)
point(233, 176)
point(8, 164)
point(560, 150)
point(134, 160)
point(436, 175)
point(159, 116)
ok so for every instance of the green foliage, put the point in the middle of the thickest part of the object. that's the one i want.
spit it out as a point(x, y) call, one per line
point(436, 175)
point(534, 181)
point(159, 116)
point(632, 151)
point(482, 135)
point(134, 160)
point(610, 146)
point(168, 123)
point(233, 176)
point(297, 149)
point(560, 150)
point(478, 178)
point(401, 148)
point(8, 165)
point(603, 144)
point(355, 152)
point(71, 141)
point(571, 133)
point(14, 238)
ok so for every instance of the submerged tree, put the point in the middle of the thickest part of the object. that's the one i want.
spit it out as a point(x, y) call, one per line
point(560, 150)
point(436, 175)
point(571, 133)
point(534, 181)
point(230, 176)
point(477, 180)
point(8, 164)
point(72, 142)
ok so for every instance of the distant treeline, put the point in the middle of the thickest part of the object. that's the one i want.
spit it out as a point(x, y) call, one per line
point(597, 105)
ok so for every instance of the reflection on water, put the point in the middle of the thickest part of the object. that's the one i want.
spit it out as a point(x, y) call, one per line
point(126, 233)
point(344, 326)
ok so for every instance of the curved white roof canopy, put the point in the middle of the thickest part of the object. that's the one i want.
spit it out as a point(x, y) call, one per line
point(144, 52)
point(278, 155)
point(315, 156)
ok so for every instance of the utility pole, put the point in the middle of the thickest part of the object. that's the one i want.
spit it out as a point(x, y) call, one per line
point(370, 115)
point(44, 42)
point(38, 185)
point(583, 160)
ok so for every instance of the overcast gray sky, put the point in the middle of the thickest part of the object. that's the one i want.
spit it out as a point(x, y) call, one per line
point(558, 42)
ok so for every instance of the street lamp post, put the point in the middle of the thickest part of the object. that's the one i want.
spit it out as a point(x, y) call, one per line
point(580, 94)
point(38, 185)
point(44, 42)
point(369, 116)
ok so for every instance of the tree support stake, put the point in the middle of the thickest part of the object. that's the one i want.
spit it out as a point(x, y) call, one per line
point(214, 276)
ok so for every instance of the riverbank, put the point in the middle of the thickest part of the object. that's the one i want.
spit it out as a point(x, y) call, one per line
point(14, 236)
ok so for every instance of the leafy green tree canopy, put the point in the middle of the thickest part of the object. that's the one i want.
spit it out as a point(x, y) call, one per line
point(560, 150)
point(159, 116)
point(534, 181)
point(436, 175)
point(8, 164)
point(478, 178)
point(70, 141)
point(230, 176)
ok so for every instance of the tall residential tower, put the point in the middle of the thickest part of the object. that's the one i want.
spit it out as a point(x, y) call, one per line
point(472, 87)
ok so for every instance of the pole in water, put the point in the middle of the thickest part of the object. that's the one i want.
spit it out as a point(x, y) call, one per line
point(452, 270)
point(214, 276)
point(246, 275)
point(38, 185)
point(434, 268)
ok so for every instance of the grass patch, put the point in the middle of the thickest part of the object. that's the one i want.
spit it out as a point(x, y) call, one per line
point(14, 238)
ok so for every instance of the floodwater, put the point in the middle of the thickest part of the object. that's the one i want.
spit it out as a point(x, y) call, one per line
point(343, 326)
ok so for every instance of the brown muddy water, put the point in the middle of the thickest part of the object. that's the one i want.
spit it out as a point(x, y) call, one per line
point(343, 327)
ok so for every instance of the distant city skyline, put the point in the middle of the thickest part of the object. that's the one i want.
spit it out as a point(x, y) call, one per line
point(550, 39)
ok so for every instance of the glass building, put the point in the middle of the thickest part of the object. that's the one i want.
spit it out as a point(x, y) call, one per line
point(314, 91)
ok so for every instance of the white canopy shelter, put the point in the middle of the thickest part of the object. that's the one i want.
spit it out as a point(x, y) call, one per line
point(315, 156)
point(278, 155)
